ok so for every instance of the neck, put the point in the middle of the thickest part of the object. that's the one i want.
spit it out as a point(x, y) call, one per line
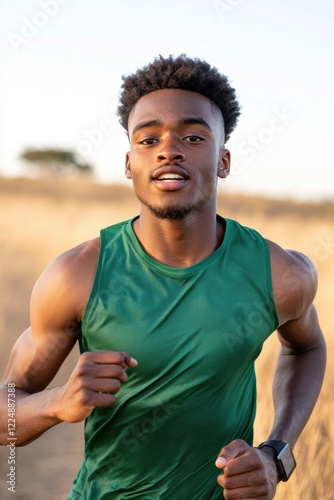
point(179, 243)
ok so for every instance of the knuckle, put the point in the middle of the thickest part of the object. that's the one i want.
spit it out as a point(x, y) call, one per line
point(116, 385)
point(116, 371)
point(119, 357)
point(85, 356)
point(224, 481)
point(239, 441)
point(85, 398)
point(257, 478)
point(112, 399)
point(108, 399)
point(119, 373)
point(83, 368)
point(263, 491)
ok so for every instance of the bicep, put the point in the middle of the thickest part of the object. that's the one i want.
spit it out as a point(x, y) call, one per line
point(35, 360)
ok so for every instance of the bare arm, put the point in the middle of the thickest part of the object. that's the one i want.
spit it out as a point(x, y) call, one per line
point(298, 377)
point(297, 381)
point(302, 359)
point(57, 305)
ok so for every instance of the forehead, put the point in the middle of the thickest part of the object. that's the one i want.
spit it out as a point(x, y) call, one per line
point(171, 105)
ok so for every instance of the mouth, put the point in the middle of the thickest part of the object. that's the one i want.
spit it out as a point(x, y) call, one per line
point(170, 178)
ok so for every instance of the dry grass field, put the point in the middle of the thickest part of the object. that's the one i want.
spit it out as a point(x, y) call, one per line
point(40, 219)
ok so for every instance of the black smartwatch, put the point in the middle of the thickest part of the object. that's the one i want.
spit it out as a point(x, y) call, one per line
point(284, 459)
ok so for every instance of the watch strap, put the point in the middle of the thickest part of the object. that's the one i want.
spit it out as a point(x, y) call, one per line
point(277, 446)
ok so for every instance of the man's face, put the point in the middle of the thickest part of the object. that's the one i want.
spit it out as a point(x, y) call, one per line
point(176, 152)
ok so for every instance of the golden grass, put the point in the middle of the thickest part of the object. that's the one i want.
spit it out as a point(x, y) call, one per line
point(40, 219)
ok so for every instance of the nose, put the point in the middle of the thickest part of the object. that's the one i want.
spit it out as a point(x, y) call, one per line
point(170, 151)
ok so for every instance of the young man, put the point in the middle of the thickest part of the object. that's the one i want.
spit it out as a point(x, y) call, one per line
point(171, 310)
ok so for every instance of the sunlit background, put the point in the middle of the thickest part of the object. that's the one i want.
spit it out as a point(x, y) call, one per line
point(61, 64)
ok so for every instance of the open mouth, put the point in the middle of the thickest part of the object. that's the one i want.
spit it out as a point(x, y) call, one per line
point(170, 181)
point(170, 177)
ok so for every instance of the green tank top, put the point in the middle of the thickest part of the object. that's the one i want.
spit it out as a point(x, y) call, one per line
point(196, 333)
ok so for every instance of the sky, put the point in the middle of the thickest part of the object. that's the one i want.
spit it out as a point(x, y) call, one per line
point(61, 63)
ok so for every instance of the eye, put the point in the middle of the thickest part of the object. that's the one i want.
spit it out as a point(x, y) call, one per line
point(193, 138)
point(149, 141)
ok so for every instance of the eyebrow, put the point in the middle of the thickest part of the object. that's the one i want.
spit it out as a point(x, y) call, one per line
point(183, 121)
point(147, 124)
point(195, 121)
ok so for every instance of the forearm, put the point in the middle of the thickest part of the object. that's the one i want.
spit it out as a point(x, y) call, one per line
point(297, 383)
point(30, 415)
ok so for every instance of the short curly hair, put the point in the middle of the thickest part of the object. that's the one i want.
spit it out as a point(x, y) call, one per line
point(185, 73)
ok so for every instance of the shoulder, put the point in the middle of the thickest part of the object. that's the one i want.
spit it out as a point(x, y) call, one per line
point(82, 256)
point(294, 279)
point(68, 279)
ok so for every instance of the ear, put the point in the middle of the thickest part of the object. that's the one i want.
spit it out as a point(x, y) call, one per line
point(128, 173)
point(224, 163)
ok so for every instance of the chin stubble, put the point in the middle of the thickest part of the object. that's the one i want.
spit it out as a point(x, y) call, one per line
point(170, 213)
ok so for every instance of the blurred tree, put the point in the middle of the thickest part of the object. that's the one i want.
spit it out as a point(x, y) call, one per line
point(56, 162)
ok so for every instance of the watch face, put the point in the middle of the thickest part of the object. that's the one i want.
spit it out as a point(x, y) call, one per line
point(287, 460)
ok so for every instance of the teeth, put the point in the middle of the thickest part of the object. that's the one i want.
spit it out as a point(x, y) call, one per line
point(170, 177)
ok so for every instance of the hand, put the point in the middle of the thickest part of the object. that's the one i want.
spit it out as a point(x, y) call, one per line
point(94, 382)
point(248, 472)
